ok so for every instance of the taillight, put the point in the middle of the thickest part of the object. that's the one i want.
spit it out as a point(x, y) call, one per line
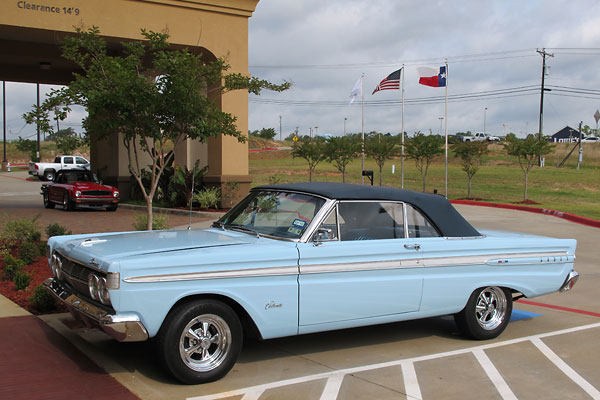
point(37, 167)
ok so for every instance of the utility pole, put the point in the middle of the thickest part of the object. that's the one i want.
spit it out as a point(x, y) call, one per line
point(39, 152)
point(280, 128)
point(543, 53)
point(580, 159)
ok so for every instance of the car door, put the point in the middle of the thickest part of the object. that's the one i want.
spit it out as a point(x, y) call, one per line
point(362, 266)
point(68, 163)
point(54, 188)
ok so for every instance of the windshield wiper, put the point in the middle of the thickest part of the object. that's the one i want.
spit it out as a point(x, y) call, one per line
point(242, 228)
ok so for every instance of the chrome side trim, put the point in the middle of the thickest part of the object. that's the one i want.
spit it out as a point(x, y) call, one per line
point(192, 276)
point(126, 327)
point(489, 259)
point(360, 266)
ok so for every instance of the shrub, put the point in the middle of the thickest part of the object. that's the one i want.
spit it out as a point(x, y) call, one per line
point(12, 265)
point(22, 280)
point(21, 230)
point(208, 197)
point(28, 252)
point(56, 230)
point(42, 300)
point(159, 222)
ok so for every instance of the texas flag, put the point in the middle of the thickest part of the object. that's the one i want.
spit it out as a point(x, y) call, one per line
point(434, 77)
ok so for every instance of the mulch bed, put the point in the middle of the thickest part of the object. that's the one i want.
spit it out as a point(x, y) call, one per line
point(39, 271)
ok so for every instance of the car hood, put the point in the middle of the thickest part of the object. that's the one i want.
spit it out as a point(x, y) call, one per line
point(91, 186)
point(110, 247)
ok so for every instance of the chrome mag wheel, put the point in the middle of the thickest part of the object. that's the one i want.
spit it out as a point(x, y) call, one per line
point(205, 342)
point(491, 308)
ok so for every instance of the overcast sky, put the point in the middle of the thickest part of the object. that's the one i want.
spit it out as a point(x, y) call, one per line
point(323, 47)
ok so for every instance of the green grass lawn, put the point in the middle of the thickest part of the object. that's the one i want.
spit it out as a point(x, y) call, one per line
point(500, 179)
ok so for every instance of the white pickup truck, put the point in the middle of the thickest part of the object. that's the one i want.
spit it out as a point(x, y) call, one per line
point(47, 171)
point(480, 137)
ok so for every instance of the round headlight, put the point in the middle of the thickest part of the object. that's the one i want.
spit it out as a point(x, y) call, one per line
point(53, 264)
point(115, 194)
point(58, 268)
point(78, 193)
point(103, 291)
point(93, 286)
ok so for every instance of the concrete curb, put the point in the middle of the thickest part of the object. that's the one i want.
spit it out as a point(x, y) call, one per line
point(160, 210)
point(559, 214)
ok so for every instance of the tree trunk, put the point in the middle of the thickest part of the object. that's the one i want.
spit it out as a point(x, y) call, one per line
point(525, 197)
point(380, 173)
point(469, 191)
point(344, 175)
point(310, 175)
point(149, 210)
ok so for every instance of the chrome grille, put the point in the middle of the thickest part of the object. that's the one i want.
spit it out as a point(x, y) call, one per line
point(75, 276)
point(96, 193)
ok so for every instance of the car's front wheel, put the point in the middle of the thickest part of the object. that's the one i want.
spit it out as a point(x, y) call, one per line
point(486, 314)
point(200, 341)
point(67, 203)
point(47, 202)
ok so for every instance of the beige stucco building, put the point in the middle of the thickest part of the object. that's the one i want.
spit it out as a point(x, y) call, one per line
point(32, 31)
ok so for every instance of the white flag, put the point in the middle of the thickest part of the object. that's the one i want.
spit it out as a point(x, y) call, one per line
point(356, 91)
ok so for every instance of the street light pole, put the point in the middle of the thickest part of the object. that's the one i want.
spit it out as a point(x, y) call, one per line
point(345, 119)
point(441, 119)
point(484, 117)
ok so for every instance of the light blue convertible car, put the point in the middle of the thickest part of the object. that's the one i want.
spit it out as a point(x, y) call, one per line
point(299, 258)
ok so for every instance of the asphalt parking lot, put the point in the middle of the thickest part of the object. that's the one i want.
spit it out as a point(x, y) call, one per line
point(550, 350)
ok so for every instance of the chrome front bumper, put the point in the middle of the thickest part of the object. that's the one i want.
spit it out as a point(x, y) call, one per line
point(125, 327)
point(570, 281)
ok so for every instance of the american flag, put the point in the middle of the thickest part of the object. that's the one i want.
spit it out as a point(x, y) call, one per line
point(392, 81)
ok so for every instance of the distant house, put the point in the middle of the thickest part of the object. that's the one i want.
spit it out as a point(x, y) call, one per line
point(565, 135)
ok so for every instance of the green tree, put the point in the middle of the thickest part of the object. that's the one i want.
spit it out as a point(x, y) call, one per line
point(150, 94)
point(28, 146)
point(471, 157)
point(265, 133)
point(312, 150)
point(423, 149)
point(341, 151)
point(380, 148)
point(68, 144)
point(54, 136)
point(528, 151)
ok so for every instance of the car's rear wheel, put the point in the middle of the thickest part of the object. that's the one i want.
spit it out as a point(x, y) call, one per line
point(200, 341)
point(486, 314)
point(49, 175)
point(67, 203)
point(47, 202)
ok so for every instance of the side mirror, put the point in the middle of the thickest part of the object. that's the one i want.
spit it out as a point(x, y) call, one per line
point(322, 234)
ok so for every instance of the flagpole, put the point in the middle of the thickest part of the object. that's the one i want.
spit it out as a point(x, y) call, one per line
point(403, 73)
point(362, 83)
point(446, 130)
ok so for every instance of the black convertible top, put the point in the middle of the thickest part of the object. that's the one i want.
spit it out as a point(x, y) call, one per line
point(439, 210)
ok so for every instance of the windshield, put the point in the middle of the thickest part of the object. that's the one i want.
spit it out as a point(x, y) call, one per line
point(281, 214)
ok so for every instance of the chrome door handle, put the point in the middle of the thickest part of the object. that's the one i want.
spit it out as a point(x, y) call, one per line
point(413, 246)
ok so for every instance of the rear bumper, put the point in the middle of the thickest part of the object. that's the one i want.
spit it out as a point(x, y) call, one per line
point(569, 281)
point(125, 327)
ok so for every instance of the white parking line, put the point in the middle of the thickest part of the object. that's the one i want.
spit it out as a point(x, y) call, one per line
point(413, 385)
point(566, 369)
point(332, 388)
point(491, 371)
